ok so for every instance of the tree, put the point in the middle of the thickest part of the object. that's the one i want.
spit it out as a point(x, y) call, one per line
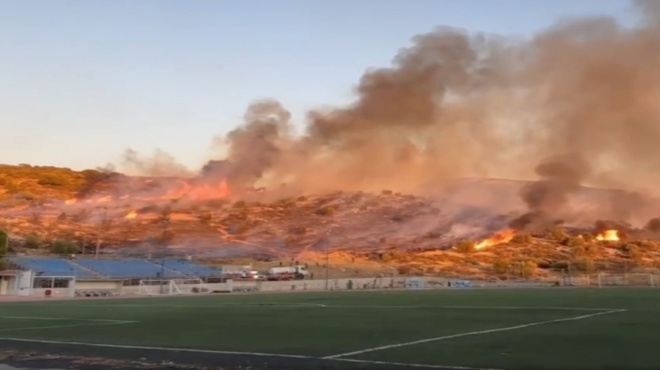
point(64, 247)
point(32, 242)
point(528, 268)
point(501, 266)
point(4, 239)
point(585, 264)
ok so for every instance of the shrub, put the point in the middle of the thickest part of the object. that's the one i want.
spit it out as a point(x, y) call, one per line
point(559, 235)
point(387, 192)
point(239, 204)
point(574, 241)
point(464, 246)
point(325, 211)
point(51, 180)
point(501, 266)
point(521, 238)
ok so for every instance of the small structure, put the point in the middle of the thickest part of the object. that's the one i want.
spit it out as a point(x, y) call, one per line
point(15, 282)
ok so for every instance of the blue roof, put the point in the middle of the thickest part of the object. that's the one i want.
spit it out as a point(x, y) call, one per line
point(89, 268)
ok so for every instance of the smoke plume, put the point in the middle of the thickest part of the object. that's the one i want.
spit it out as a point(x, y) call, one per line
point(456, 104)
point(159, 164)
point(255, 146)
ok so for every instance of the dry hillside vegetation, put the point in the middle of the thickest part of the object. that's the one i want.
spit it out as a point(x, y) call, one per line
point(52, 210)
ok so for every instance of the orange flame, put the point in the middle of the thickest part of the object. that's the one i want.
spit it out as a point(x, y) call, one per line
point(131, 215)
point(500, 237)
point(609, 235)
point(71, 201)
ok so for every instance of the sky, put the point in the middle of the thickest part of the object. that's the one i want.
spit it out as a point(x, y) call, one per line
point(83, 80)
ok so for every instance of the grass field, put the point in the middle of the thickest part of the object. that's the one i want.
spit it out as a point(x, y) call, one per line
point(459, 329)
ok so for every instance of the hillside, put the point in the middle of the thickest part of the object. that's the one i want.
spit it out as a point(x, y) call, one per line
point(50, 209)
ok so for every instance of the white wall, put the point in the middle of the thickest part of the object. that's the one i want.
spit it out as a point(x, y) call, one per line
point(98, 285)
point(55, 292)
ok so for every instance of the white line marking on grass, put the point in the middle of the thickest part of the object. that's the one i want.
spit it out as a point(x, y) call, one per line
point(61, 318)
point(67, 326)
point(481, 307)
point(426, 366)
point(239, 353)
point(149, 348)
point(508, 328)
point(326, 305)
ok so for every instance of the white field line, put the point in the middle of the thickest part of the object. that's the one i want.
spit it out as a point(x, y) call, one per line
point(85, 322)
point(60, 318)
point(425, 366)
point(325, 305)
point(257, 354)
point(508, 328)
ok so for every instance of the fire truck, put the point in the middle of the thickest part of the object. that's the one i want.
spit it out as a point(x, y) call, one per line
point(297, 272)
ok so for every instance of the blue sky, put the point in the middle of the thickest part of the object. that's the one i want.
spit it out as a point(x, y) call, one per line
point(80, 81)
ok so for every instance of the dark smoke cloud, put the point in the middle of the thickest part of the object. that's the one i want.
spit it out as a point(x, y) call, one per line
point(560, 177)
point(255, 146)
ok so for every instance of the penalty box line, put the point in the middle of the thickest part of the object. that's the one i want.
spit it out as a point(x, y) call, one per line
point(81, 322)
point(472, 333)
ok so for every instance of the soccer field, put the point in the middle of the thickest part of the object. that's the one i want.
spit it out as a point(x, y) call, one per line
point(454, 329)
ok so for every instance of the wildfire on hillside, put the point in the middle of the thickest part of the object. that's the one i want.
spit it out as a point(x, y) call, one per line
point(195, 192)
point(131, 215)
point(609, 235)
point(503, 236)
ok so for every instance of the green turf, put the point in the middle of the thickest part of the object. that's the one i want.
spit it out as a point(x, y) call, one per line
point(323, 324)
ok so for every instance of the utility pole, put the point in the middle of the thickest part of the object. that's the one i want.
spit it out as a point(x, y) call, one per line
point(100, 233)
point(6, 236)
point(327, 258)
point(166, 223)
